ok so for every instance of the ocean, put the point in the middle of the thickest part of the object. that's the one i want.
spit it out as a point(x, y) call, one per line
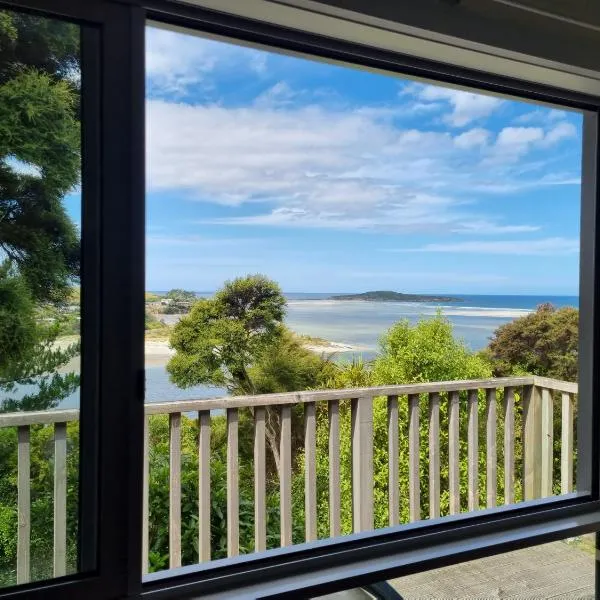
point(360, 324)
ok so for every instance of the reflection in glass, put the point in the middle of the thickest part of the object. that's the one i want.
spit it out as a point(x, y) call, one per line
point(40, 216)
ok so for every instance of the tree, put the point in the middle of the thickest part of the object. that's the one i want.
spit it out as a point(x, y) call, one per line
point(223, 336)
point(179, 295)
point(426, 351)
point(543, 343)
point(39, 164)
point(237, 340)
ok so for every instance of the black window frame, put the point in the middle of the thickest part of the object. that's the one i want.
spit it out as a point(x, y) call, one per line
point(114, 253)
point(112, 394)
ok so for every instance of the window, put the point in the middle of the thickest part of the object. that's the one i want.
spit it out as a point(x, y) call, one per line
point(370, 471)
point(282, 193)
point(40, 241)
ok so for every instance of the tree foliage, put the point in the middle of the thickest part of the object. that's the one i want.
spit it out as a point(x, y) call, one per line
point(223, 336)
point(179, 295)
point(39, 150)
point(426, 351)
point(39, 244)
point(543, 343)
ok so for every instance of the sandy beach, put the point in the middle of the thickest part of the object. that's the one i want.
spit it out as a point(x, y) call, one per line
point(158, 352)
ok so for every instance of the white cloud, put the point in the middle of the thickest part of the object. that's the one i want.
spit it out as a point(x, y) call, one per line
point(512, 143)
point(176, 63)
point(542, 116)
point(473, 138)
point(332, 166)
point(562, 131)
point(555, 246)
point(519, 136)
point(487, 228)
point(280, 94)
point(466, 107)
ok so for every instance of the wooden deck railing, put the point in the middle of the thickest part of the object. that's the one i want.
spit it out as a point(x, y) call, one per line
point(537, 395)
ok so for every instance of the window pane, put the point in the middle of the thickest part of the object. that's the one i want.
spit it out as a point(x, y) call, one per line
point(313, 228)
point(40, 220)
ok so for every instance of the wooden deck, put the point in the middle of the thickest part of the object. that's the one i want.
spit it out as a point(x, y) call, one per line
point(559, 571)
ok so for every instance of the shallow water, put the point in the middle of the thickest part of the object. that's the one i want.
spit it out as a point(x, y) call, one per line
point(361, 324)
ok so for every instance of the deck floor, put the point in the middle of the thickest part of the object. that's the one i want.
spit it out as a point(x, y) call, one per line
point(557, 570)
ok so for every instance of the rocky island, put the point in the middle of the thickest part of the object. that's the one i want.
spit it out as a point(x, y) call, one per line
point(388, 296)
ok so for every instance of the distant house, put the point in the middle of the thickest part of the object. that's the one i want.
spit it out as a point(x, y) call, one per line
point(166, 301)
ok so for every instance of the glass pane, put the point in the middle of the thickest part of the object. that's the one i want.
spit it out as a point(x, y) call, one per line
point(316, 227)
point(40, 220)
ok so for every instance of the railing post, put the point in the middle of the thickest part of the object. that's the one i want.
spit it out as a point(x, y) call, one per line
point(233, 484)
point(174, 490)
point(203, 485)
point(414, 443)
point(23, 504)
point(566, 446)
point(362, 463)
point(260, 480)
point(393, 475)
point(532, 441)
point(453, 452)
point(60, 499)
point(333, 410)
point(547, 442)
point(285, 475)
point(434, 455)
point(509, 445)
point(310, 471)
point(473, 449)
point(490, 450)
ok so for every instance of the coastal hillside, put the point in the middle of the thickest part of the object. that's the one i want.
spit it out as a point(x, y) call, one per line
point(389, 296)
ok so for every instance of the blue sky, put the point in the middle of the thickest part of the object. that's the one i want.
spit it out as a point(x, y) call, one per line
point(334, 179)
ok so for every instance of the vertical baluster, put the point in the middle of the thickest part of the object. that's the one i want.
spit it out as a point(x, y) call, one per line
point(174, 490)
point(547, 442)
point(60, 499)
point(233, 484)
point(453, 452)
point(393, 475)
point(531, 442)
point(490, 448)
point(414, 479)
point(260, 481)
point(473, 449)
point(566, 445)
point(203, 485)
point(434, 455)
point(310, 471)
point(285, 475)
point(362, 463)
point(23, 504)
point(509, 445)
point(145, 497)
point(333, 410)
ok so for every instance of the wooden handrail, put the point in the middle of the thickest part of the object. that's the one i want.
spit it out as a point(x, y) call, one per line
point(47, 417)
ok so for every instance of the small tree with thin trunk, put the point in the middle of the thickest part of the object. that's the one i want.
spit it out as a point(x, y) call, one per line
point(223, 336)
